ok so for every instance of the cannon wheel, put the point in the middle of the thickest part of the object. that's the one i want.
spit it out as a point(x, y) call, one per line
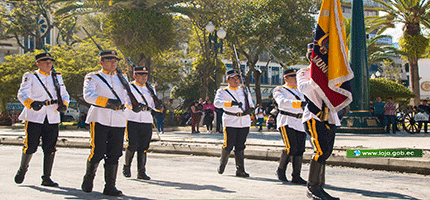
point(409, 123)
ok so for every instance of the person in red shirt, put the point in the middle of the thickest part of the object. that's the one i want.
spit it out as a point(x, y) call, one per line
point(390, 115)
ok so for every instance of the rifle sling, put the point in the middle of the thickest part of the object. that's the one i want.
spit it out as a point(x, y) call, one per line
point(295, 95)
point(43, 85)
point(138, 91)
point(111, 89)
point(234, 98)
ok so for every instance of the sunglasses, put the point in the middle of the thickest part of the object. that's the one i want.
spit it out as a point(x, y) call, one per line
point(291, 75)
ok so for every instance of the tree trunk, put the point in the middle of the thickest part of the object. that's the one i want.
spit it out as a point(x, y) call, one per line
point(257, 86)
point(415, 80)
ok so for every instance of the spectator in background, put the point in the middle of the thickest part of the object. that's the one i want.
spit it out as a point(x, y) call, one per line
point(270, 123)
point(378, 109)
point(200, 108)
point(160, 120)
point(271, 106)
point(195, 115)
point(424, 106)
point(209, 109)
point(390, 115)
point(259, 114)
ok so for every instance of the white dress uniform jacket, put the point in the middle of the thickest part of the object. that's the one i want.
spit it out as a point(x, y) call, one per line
point(285, 102)
point(96, 92)
point(142, 116)
point(304, 86)
point(32, 90)
point(222, 96)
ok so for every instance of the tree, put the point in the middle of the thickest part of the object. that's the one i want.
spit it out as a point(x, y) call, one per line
point(141, 33)
point(143, 30)
point(72, 62)
point(384, 88)
point(207, 66)
point(412, 14)
point(11, 72)
point(284, 26)
point(378, 53)
point(27, 19)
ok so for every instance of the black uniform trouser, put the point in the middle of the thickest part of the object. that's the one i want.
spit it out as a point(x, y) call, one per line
point(235, 137)
point(106, 143)
point(218, 120)
point(322, 138)
point(294, 141)
point(138, 136)
point(33, 132)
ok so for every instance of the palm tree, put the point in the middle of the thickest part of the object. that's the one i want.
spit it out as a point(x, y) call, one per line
point(377, 53)
point(412, 14)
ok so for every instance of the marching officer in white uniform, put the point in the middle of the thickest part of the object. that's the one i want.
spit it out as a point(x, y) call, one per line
point(139, 125)
point(107, 119)
point(289, 121)
point(236, 120)
point(320, 123)
point(41, 115)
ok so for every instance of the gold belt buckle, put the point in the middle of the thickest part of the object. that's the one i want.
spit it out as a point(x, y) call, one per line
point(239, 114)
point(47, 103)
point(300, 115)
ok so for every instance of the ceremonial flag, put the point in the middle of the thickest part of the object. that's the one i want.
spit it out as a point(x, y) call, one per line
point(330, 70)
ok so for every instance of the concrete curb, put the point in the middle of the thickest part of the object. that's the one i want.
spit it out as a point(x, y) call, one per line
point(263, 152)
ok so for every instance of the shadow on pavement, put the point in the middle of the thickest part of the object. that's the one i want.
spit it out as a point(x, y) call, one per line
point(186, 186)
point(73, 193)
point(259, 178)
point(387, 195)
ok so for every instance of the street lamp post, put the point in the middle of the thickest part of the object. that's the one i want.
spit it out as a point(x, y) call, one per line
point(216, 44)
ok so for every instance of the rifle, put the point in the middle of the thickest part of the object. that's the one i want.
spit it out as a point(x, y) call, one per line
point(157, 102)
point(245, 91)
point(280, 62)
point(123, 81)
point(57, 88)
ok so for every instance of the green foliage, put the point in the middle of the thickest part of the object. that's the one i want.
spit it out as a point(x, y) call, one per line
point(187, 89)
point(384, 88)
point(11, 72)
point(412, 15)
point(414, 46)
point(27, 19)
point(72, 62)
point(141, 33)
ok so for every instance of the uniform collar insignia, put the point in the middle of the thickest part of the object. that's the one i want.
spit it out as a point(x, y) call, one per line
point(140, 85)
point(43, 73)
point(233, 88)
point(290, 86)
point(109, 73)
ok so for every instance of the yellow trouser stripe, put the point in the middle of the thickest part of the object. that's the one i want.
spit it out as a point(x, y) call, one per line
point(126, 134)
point(92, 136)
point(24, 149)
point(314, 139)
point(285, 137)
point(224, 145)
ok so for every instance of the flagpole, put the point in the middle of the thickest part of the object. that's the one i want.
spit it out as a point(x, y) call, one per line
point(359, 118)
